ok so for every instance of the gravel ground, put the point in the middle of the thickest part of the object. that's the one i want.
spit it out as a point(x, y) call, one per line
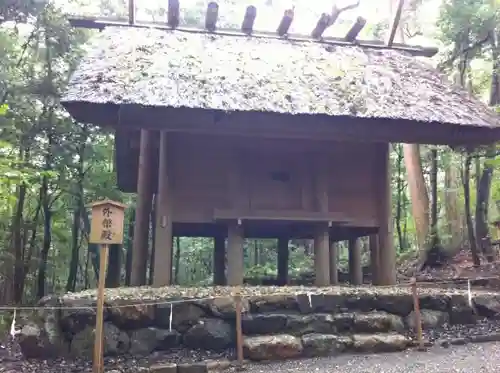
point(478, 358)
point(471, 358)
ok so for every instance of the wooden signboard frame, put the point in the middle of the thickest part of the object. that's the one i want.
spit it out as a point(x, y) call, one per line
point(106, 228)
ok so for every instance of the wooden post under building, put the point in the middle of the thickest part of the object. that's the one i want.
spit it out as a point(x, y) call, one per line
point(164, 237)
point(387, 252)
point(235, 269)
point(374, 258)
point(140, 245)
point(322, 234)
point(355, 266)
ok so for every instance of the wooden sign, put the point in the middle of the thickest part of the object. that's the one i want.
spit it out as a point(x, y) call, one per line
point(106, 226)
point(106, 229)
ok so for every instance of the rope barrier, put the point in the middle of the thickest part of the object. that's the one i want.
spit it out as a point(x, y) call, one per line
point(307, 293)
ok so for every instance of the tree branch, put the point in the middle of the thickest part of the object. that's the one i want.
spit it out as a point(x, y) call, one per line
point(458, 52)
point(24, 48)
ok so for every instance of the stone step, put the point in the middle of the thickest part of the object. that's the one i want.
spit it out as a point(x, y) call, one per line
point(341, 323)
point(286, 346)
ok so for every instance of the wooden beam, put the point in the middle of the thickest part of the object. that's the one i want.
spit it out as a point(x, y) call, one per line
point(395, 23)
point(288, 215)
point(163, 233)
point(312, 127)
point(100, 24)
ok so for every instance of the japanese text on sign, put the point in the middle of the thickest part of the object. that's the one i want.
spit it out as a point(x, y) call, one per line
point(107, 223)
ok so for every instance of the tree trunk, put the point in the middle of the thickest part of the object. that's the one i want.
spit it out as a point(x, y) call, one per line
point(75, 249)
point(32, 242)
point(256, 255)
point(47, 239)
point(484, 183)
point(17, 223)
point(434, 205)
point(399, 202)
point(177, 259)
point(451, 205)
point(419, 196)
point(482, 202)
point(129, 247)
point(468, 214)
point(416, 182)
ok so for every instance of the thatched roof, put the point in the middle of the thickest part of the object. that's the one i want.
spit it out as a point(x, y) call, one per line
point(145, 75)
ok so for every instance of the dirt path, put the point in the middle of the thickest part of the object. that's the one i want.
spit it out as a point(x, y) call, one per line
point(478, 358)
point(472, 358)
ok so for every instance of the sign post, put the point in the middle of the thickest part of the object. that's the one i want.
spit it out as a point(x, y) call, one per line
point(106, 228)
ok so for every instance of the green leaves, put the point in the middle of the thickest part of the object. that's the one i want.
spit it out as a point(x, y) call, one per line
point(3, 109)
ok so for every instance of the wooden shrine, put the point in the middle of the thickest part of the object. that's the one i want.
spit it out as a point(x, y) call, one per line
point(235, 134)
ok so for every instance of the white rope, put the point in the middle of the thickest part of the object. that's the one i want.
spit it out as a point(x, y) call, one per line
point(13, 331)
point(469, 293)
point(171, 317)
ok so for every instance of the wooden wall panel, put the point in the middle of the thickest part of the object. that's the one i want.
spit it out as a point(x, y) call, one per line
point(274, 175)
point(352, 180)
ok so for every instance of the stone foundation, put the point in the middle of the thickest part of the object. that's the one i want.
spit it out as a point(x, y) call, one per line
point(278, 322)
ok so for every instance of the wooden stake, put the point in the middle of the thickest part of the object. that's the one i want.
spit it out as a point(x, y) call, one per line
point(418, 319)
point(239, 332)
point(98, 342)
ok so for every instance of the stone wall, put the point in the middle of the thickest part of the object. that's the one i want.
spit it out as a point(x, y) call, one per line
point(278, 323)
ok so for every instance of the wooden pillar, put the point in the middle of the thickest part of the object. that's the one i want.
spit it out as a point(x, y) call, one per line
point(387, 253)
point(163, 238)
point(374, 258)
point(235, 268)
point(142, 210)
point(283, 255)
point(322, 255)
point(355, 268)
point(220, 259)
point(334, 270)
